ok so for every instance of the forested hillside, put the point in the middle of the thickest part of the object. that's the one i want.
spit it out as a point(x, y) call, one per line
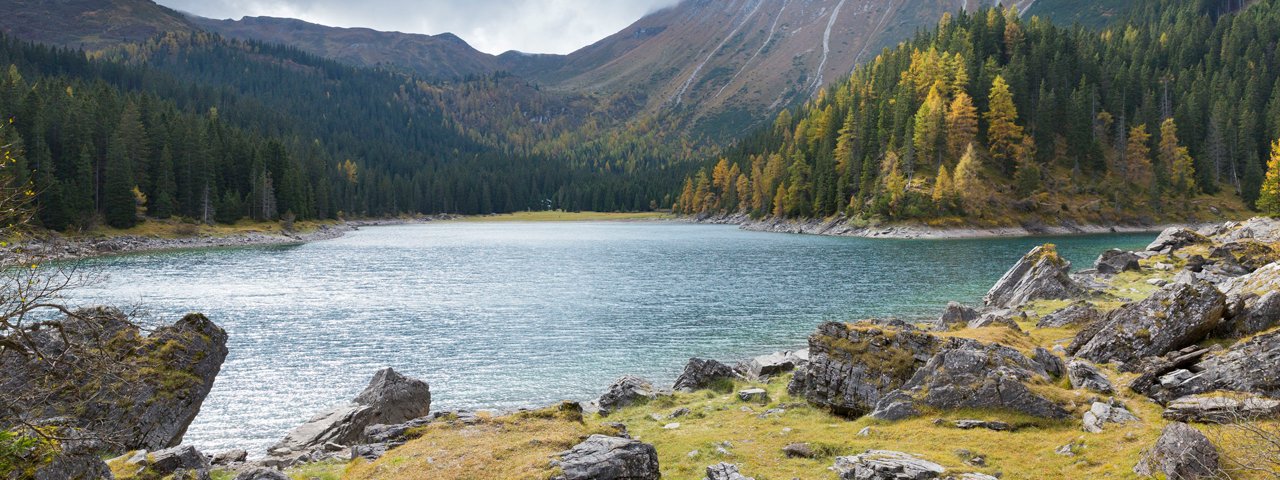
point(196, 126)
point(996, 118)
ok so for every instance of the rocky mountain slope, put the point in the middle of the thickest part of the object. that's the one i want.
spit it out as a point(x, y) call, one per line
point(90, 24)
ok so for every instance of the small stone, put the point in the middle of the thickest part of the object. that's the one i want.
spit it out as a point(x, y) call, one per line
point(1164, 267)
point(865, 432)
point(972, 424)
point(799, 450)
point(671, 426)
point(1101, 414)
point(679, 412)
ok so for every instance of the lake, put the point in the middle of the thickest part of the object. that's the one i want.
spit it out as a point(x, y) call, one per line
point(506, 315)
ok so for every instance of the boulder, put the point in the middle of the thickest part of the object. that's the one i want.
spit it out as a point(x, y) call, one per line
point(381, 433)
point(601, 457)
point(1252, 313)
point(1084, 375)
point(1040, 275)
point(1100, 414)
point(1248, 254)
point(1116, 261)
point(1074, 315)
point(262, 473)
point(699, 374)
point(176, 460)
point(725, 471)
point(390, 398)
point(1174, 238)
point(1261, 229)
point(162, 381)
point(1174, 317)
point(1051, 364)
point(886, 465)
point(624, 392)
point(1259, 282)
point(1005, 319)
point(1252, 366)
point(776, 363)
point(1181, 453)
point(852, 366)
point(1153, 370)
point(754, 395)
point(989, 425)
point(967, 374)
point(76, 458)
point(1221, 408)
point(799, 450)
point(229, 457)
point(957, 314)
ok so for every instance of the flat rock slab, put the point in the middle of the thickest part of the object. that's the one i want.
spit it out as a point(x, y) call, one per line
point(886, 465)
point(602, 457)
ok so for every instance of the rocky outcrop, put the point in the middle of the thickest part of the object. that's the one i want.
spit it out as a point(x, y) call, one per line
point(1174, 317)
point(1253, 313)
point(1116, 261)
point(609, 458)
point(764, 366)
point(957, 314)
point(886, 465)
point(1181, 453)
point(1049, 362)
point(999, 318)
point(1100, 414)
point(262, 473)
point(1174, 238)
point(179, 462)
point(74, 458)
point(155, 386)
point(1074, 315)
point(624, 392)
point(725, 471)
point(1040, 275)
point(390, 398)
point(1262, 229)
point(699, 374)
point(1252, 366)
point(853, 366)
point(1232, 408)
point(1085, 375)
point(966, 374)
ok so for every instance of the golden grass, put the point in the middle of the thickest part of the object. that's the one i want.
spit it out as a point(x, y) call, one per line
point(173, 228)
point(563, 216)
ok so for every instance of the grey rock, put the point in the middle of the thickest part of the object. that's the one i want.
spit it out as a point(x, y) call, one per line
point(1175, 238)
point(974, 476)
point(609, 458)
point(886, 465)
point(381, 433)
point(1070, 449)
point(181, 458)
point(149, 412)
point(390, 398)
point(1051, 364)
point(1074, 315)
point(853, 366)
point(957, 314)
point(1084, 375)
point(229, 457)
point(262, 473)
point(773, 364)
point(1174, 317)
point(699, 374)
point(1116, 261)
point(799, 450)
point(370, 451)
point(1100, 414)
point(1252, 366)
point(966, 374)
point(1254, 314)
point(624, 392)
point(679, 412)
point(1040, 275)
point(989, 425)
point(865, 432)
point(725, 471)
point(1262, 229)
point(1221, 409)
point(1181, 453)
point(999, 319)
point(1165, 371)
point(76, 459)
point(755, 395)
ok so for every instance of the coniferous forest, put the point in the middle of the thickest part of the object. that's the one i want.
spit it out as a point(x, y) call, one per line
point(993, 115)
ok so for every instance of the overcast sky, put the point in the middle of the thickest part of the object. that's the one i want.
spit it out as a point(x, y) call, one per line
point(493, 26)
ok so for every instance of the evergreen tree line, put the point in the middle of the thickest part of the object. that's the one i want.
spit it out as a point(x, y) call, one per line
point(195, 126)
point(991, 115)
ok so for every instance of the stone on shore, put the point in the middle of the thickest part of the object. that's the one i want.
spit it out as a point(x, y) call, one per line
point(1174, 317)
point(167, 376)
point(967, 374)
point(177, 460)
point(699, 374)
point(886, 465)
point(1181, 453)
point(957, 314)
point(390, 398)
point(1074, 315)
point(624, 392)
point(1039, 275)
point(853, 366)
point(1116, 261)
point(765, 366)
point(1174, 238)
point(602, 457)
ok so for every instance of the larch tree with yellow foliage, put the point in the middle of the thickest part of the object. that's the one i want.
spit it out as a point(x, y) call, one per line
point(1269, 196)
point(943, 190)
point(962, 125)
point(1177, 160)
point(1004, 135)
point(929, 124)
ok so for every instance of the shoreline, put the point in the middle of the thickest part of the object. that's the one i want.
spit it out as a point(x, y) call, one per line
point(839, 227)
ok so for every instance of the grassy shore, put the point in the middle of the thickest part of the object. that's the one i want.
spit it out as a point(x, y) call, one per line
point(174, 229)
point(563, 216)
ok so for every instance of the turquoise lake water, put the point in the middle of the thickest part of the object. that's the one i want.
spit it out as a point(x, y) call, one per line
point(506, 315)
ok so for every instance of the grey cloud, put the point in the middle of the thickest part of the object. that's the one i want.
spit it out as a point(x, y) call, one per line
point(494, 26)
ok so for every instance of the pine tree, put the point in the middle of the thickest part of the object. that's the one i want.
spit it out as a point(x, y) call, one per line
point(962, 125)
point(162, 206)
point(1027, 179)
point(1269, 193)
point(126, 144)
point(929, 123)
point(1004, 135)
point(968, 180)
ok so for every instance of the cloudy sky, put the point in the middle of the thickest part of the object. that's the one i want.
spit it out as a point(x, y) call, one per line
point(493, 26)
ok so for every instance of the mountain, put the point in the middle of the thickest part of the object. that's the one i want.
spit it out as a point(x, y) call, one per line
point(91, 24)
point(435, 57)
